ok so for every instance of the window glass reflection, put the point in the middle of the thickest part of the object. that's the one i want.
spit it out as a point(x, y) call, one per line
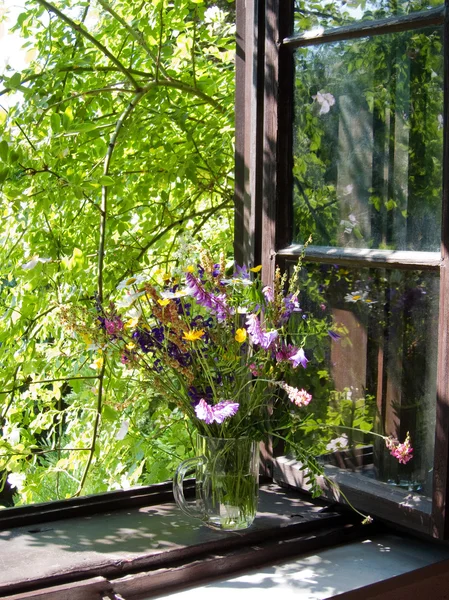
point(368, 142)
point(375, 371)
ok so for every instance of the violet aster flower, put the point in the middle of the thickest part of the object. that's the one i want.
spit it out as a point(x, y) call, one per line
point(299, 358)
point(258, 335)
point(218, 413)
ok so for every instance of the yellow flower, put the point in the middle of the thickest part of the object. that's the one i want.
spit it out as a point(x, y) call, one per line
point(131, 322)
point(190, 269)
point(86, 339)
point(256, 269)
point(130, 346)
point(240, 335)
point(97, 363)
point(193, 335)
point(164, 301)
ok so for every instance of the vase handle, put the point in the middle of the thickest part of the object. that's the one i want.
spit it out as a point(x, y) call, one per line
point(185, 467)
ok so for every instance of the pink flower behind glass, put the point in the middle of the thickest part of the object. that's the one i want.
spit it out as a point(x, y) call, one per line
point(403, 452)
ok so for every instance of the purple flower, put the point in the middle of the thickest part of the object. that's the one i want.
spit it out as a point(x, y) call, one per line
point(291, 305)
point(268, 293)
point(218, 413)
point(215, 303)
point(259, 336)
point(241, 272)
point(299, 358)
point(196, 395)
point(113, 325)
point(284, 353)
point(334, 335)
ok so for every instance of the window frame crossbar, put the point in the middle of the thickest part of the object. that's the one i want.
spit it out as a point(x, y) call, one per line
point(393, 24)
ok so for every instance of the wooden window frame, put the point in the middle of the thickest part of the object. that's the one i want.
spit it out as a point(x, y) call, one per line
point(264, 109)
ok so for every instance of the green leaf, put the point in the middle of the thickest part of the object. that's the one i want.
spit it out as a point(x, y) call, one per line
point(106, 180)
point(4, 148)
point(55, 120)
point(14, 81)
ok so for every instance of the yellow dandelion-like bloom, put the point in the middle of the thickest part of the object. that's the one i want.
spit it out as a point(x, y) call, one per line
point(130, 323)
point(86, 339)
point(240, 335)
point(193, 335)
point(163, 301)
point(190, 269)
point(130, 346)
point(256, 269)
point(97, 363)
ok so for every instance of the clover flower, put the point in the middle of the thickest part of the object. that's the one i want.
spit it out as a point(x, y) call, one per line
point(298, 397)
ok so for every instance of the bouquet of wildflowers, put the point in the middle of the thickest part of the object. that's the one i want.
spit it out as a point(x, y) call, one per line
point(219, 345)
point(228, 351)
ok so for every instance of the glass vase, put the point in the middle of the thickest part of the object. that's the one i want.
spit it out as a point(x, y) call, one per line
point(227, 482)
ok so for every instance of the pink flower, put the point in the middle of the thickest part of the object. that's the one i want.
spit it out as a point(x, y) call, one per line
point(254, 370)
point(218, 413)
point(403, 452)
point(298, 397)
point(114, 325)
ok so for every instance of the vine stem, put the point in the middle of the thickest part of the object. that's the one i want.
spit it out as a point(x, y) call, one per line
point(95, 431)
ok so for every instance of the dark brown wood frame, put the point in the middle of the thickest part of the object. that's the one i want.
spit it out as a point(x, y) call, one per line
point(267, 180)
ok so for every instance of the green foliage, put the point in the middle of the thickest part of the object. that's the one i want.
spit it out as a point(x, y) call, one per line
point(116, 137)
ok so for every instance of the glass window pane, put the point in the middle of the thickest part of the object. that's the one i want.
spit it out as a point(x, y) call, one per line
point(368, 142)
point(311, 14)
point(375, 371)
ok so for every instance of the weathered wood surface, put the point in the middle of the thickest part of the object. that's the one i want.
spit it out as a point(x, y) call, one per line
point(92, 589)
point(355, 257)
point(138, 539)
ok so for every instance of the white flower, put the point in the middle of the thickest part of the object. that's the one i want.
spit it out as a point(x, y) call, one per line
point(338, 443)
point(130, 281)
point(121, 433)
point(178, 294)
point(325, 100)
point(16, 480)
point(14, 436)
point(33, 262)
point(236, 281)
point(356, 297)
point(129, 299)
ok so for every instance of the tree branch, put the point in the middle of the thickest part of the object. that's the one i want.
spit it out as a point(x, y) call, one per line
point(80, 29)
point(136, 34)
